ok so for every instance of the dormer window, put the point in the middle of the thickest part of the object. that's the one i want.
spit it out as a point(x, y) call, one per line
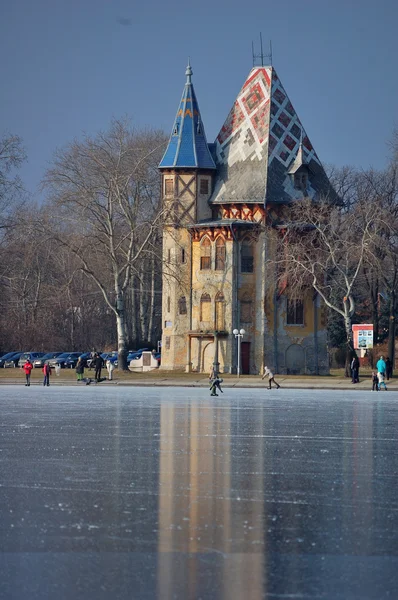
point(199, 128)
point(301, 180)
point(175, 130)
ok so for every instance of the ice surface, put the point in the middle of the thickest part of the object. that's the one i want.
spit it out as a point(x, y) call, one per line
point(167, 493)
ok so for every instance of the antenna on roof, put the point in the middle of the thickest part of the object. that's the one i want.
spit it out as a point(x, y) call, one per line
point(261, 59)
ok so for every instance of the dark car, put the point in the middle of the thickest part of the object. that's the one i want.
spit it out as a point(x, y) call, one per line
point(6, 357)
point(70, 357)
point(13, 360)
point(111, 356)
point(71, 362)
point(136, 354)
point(31, 355)
point(39, 362)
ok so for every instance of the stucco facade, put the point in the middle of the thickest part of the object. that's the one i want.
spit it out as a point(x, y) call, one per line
point(222, 203)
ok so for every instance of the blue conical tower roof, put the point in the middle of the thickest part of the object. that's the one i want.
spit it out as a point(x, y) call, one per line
point(187, 145)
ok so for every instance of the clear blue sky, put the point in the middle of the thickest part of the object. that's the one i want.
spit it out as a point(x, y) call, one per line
point(69, 66)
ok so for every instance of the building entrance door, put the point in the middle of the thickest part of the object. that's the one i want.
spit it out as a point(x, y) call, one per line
point(245, 357)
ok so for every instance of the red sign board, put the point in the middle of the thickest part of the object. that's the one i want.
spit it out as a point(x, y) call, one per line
point(363, 336)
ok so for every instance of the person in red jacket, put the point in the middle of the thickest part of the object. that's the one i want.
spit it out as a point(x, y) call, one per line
point(47, 372)
point(28, 369)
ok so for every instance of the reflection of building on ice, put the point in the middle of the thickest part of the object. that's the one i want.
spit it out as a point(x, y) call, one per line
point(207, 498)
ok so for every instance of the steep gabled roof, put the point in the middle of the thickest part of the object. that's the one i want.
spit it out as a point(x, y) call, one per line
point(187, 145)
point(261, 139)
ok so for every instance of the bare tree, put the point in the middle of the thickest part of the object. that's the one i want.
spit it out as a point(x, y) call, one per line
point(104, 199)
point(325, 247)
point(383, 263)
point(12, 155)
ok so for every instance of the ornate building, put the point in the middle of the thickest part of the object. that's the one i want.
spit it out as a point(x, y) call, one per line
point(221, 202)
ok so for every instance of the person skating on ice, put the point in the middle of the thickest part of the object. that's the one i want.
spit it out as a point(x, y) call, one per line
point(216, 385)
point(270, 375)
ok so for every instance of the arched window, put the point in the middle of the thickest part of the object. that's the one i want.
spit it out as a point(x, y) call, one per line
point(246, 257)
point(182, 306)
point(220, 312)
point(220, 254)
point(205, 308)
point(246, 309)
point(205, 254)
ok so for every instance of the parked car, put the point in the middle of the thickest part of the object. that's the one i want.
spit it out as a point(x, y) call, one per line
point(6, 357)
point(13, 360)
point(136, 354)
point(61, 359)
point(39, 362)
point(89, 358)
point(71, 362)
point(112, 356)
point(32, 357)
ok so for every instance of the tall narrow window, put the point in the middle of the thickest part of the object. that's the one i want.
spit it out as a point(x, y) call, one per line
point(205, 308)
point(168, 187)
point(205, 254)
point(167, 345)
point(246, 309)
point(204, 186)
point(220, 254)
point(168, 303)
point(295, 312)
point(220, 312)
point(246, 260)
point(183, 259)
point(169, 256)
point(182, 306)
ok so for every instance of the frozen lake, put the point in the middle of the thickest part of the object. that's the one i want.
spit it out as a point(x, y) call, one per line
point(167, 493)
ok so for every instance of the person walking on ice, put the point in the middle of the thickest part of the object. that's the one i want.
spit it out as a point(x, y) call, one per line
point(28, 369)
point(375, 382)
point(80, 369)
point(381, 372)
point(46, 372)
point(110, 368)
point(271, 379)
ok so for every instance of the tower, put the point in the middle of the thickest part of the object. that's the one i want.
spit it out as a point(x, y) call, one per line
point(263, 162)
point(187, 169)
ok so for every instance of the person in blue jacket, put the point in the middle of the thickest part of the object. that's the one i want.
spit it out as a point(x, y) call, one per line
point(381, 372)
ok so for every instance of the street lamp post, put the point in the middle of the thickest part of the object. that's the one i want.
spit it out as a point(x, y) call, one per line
point(239, 335)
point(216, 364)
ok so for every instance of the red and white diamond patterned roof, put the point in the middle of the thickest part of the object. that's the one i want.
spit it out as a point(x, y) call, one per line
point(259, 140)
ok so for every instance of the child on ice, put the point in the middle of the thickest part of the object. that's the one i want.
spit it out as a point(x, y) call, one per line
point(375, 382)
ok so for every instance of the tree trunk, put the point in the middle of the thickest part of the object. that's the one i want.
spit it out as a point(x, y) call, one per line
point(375, 300)
point(121, 334)
point(143, 305)
point(151, 309)
point(391, 331)
point(133, 310)
point(350, 344)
